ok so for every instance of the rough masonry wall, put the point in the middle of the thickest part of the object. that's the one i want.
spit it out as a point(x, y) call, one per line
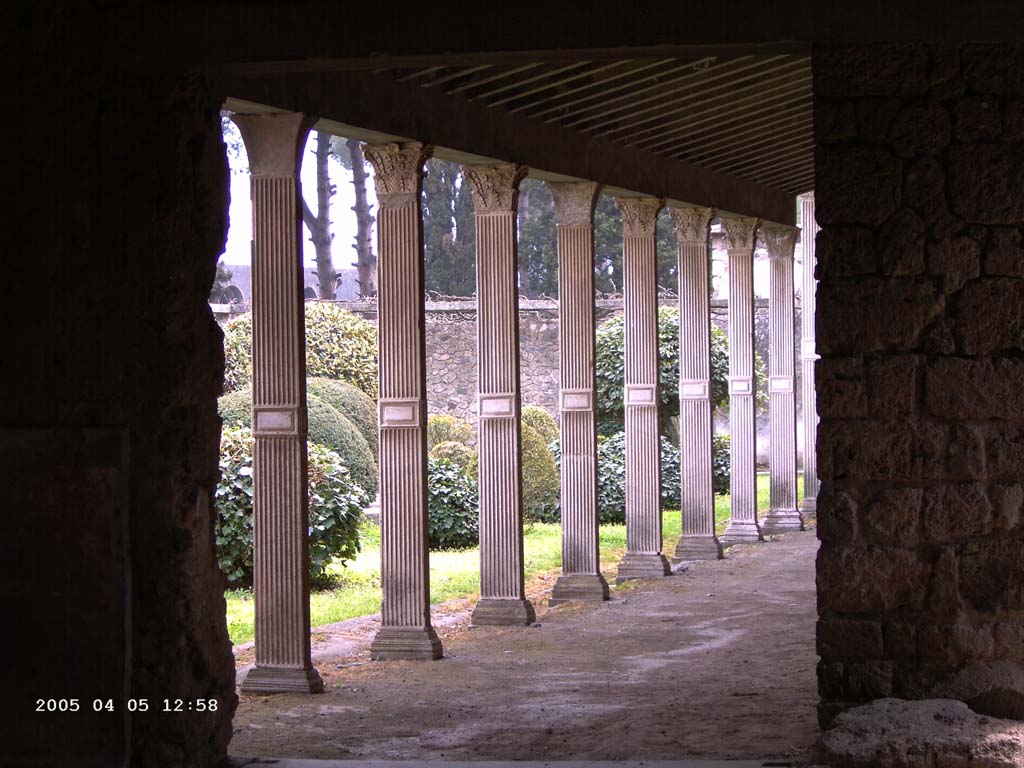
point(108, 443)
point(920, 196)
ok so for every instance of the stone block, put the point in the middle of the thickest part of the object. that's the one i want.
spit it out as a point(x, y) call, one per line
point(956, 260)
point(934, 733)
point(992, 688)
point(1007, 506)
point(876, 315)
point(1013, 122)
point(841, 388)
point(1009, 640)
point(965, 457)
point(901, 244)
point(864, 580)
point(850, 639)
point(848, 252)
point(1005, 253)
point(989, 317)
point(977, 118)
point(985, 388)
point(924, 181)
point(900, 449)
point(949, 645)
point(856, 185)
point(992, 574)
point(1004, 450)
point(900, 640)
point(986, 183)
point(871, 70)
point(834, 120)
point(836, 516)
point(943, 596)
point(893, 385)
point(954, 512)
point(921, 128)
point(892, 517)
point(984, 67)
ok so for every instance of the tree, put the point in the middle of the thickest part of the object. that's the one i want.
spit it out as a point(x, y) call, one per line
point(448, 230)
point(320, 223)
point(221, 281)
point(351, 158)
point(538, 241)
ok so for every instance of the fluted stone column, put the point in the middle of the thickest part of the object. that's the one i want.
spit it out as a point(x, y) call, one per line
point(807, 357)
point(581, 577)
point(274, 143)
point(405, 631)
point(782, 514)
point(698, 540)
point(743, 527)
point(502, 583)
point(643, 556)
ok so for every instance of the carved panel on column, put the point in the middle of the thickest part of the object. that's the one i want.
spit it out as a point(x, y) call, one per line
point(581, 577)
point(406, 631)
point(698, 540)
point(782, 514)
point(643, 556)
point(743, 526)
point(502, 582)
point(808, 356)
point(280, 501)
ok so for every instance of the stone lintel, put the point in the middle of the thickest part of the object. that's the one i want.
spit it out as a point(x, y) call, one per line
point(405, 643)
point(698, 547)
point(503, 612)
point(579, 587)
point(741, 532)
point(642, 565)
point(264, 679)
point(781, 521)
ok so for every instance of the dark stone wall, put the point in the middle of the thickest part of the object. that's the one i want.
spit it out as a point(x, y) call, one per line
point(920, 198)
point(108, 440)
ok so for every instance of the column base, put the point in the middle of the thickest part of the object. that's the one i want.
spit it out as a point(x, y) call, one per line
point(579, 587)
point(642, 565)
point(406, 643)
point(698, 548)
point(741, 532)
point(781, 521)
point(282, 680)
point(503, 612)
point(809, 509)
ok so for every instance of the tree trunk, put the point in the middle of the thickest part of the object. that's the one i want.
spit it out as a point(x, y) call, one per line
point(366, 262)
point(320, 223)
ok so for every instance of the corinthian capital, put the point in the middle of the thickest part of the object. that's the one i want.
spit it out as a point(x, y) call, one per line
point(574, 202)
point(495, 187)
point(397, 170)
point(639, 215)
point(780, 239)
point(691, 224)
point(739, 233)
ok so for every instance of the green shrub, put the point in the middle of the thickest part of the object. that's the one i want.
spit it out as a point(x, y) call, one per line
point(442, 428)
point(351, 402)
point(335, 507)
point(540, 478)
point(457, 453)
point(610, 373)
point(541, 422)
point(339, 345)
point(326, 427)
point(720, 464)
point(453, 507)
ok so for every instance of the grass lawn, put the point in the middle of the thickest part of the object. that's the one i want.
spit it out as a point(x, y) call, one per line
point(457, 574)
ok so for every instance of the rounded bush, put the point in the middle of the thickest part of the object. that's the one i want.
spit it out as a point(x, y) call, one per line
point(720, 459)
point(611, 478)
point(326, 427)
point(442, 428)
point(540, 478)
point(335, 507)
point(457, 453)
point(339, 345)
point(453, 507)
point(349, 401)
point(541, 422)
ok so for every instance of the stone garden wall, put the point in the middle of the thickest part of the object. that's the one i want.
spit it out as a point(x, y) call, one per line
point(920, 198)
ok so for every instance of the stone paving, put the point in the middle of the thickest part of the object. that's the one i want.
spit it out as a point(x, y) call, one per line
point(717, 662)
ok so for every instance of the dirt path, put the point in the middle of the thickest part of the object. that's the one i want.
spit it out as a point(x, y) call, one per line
point(716, 662)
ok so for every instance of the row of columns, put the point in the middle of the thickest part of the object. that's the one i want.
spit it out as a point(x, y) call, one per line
point(279, 424)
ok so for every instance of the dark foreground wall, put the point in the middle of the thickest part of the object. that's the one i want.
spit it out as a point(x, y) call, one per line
point(108, 441)
point(920, 196)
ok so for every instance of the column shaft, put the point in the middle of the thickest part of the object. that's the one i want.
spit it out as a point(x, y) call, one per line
point(405, 632)
point(782, 515)
point(502, 589)
point(698, 540)
point(808, 356)
point(643, 556)
point(280, 498)
point(581, 577)
point(743, 525)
